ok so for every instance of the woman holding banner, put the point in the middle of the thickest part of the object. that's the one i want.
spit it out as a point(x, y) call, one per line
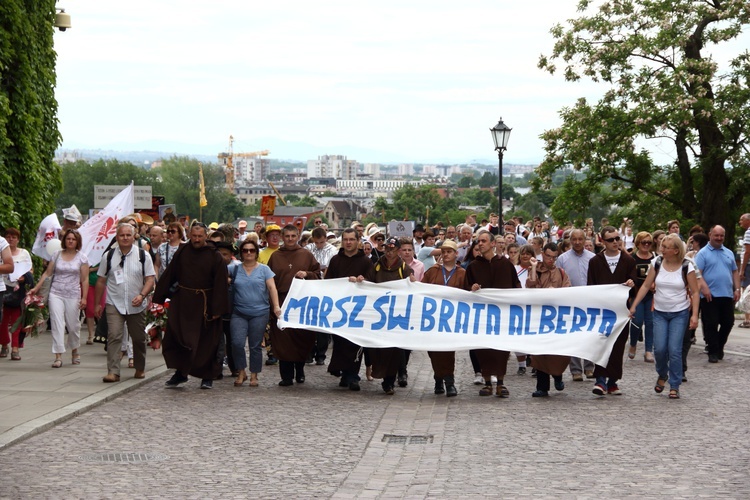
point(547, 275)
point(453, 275)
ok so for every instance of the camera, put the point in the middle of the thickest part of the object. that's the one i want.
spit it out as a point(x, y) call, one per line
point(62, 20)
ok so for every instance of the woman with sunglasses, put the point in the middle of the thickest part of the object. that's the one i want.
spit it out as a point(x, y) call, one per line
point(642, 325)
point(175, 237)
point(69, 270)
point(254, 293)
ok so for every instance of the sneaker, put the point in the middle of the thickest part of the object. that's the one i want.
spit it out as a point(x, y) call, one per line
point(478, 379)
point(559, 384)
point(207, 384)
point(320, 362)
point(589, 373)
point(493, 379)
point(577, 377)
point(354, 386)
point(271, 361)
point(403, 380)
point(176, 380)
point(599, 390)
point(502, 392)
point(521, 370)
point(614, 391)
point(539, 394)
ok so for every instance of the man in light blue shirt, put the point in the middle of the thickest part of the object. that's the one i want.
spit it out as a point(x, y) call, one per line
point(575, 263)
point(720, 289)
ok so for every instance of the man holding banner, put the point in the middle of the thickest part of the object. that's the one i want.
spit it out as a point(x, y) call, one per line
point(610, 267)
point(291, 346)
point(449, 273)
point(352, 263)
point(491, 271)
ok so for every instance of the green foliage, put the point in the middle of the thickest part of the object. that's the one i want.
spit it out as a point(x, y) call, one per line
point(658, 85)
point(28, 115)
point(181, 186)
point(80, 177)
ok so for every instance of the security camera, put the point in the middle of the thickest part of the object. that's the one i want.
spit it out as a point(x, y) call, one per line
point(62, 20)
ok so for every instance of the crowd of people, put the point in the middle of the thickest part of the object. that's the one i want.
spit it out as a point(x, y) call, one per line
point(225, 285)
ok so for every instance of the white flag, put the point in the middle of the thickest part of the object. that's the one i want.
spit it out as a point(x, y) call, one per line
point(99, 230)
point(48, 230)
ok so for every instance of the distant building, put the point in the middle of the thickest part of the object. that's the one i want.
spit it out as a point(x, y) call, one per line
point(250, 170)
point(66, 156)
point(372, 169)
point(405, 169)
point(372, 188)
point(336, 166)
point(341, 213)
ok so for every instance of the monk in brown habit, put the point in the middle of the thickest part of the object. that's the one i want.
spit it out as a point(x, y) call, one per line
point(292, 345)
point(196, 282)
point(491, 271)
point(448, 273)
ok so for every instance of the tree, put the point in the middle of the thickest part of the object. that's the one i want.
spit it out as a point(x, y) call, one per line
point(28, 115)
point(488, 180)
point(80, 177)
point(181, 186)
point(659, 85)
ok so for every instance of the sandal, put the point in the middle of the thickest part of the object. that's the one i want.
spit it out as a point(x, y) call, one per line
point(131, 363)
point(253, 380)
point(241, 377)
point(57, 363)
point(15, 356)
point(659, 387)
point(674, 394)
point(76, 360)
point(744, 324)
point(4, 352)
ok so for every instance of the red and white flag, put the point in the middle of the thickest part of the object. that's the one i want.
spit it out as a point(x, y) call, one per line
point(48, 230)
point(99, 230)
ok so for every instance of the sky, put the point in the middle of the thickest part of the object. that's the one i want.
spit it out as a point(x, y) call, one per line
point(415, 81)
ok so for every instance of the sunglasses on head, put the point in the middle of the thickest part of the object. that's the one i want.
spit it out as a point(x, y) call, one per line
point(610, 240)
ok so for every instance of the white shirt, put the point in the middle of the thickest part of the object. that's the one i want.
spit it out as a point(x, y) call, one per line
point(3, 245)
point(121, 294)
point(670, 294)
point(577, 266)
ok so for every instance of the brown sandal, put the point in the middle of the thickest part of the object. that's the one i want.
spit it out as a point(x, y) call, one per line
point(253, 380)
point(241, 377)
point(674, 394)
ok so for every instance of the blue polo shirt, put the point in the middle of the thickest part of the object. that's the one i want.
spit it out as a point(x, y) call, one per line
point(717, 266)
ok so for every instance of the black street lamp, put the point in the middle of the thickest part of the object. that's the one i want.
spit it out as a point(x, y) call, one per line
point(500, 134)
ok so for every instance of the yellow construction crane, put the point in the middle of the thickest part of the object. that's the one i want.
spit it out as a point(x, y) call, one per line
point(227, 161)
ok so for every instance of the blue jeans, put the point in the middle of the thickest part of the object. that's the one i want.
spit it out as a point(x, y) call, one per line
point(669, 329)
point(248, 329)
point(643, 321)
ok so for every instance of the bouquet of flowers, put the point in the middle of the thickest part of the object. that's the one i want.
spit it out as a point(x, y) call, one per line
point(34, 313)
point(156, 318)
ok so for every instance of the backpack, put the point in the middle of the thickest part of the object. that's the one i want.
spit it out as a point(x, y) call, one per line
point(401, 269)
point(685, 263)
point(141, 254)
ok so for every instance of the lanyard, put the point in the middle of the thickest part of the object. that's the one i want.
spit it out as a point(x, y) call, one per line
point(450, 275)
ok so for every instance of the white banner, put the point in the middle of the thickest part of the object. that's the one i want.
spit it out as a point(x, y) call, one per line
point(582, 321)
point(48, 230)
point(99, 230)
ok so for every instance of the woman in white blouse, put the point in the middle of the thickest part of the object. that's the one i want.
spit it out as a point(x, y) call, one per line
point(675, 295)
point(69, 269)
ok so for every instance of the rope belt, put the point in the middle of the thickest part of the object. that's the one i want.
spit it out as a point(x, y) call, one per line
point(201, 291)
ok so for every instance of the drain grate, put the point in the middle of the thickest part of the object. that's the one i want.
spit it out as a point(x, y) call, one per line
point(128, 458)
point(407, 439)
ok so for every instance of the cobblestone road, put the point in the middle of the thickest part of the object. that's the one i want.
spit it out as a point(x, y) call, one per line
point(317, 440)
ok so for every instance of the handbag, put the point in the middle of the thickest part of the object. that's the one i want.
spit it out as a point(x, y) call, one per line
point(744, 303)
point(14, 298)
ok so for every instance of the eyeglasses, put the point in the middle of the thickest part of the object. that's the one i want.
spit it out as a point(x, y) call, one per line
point(553, 257)
point(646, 242)
point(249, 250)
point(610, 240)
point(318, 222)
point(172, 231)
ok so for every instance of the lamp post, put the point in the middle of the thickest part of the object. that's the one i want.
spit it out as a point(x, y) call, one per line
point(500, 134)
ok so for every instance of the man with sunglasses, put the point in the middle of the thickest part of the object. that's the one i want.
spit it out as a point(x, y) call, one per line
point(196, 283)
point(128, 281)
point(609, 267)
